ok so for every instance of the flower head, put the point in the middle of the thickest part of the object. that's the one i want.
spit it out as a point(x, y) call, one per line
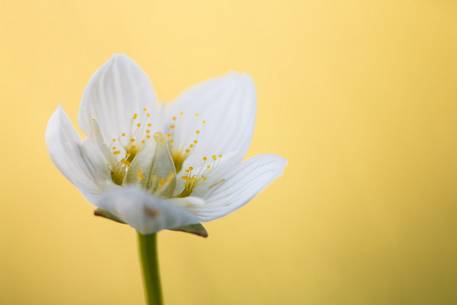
point(162, 166)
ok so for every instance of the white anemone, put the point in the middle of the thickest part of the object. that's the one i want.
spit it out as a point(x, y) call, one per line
point(162, 166)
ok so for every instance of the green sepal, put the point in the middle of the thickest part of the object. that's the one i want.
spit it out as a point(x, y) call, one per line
point(196, 229)
point(105, 214)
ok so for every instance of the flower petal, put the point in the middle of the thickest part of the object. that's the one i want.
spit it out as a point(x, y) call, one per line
point(74, 159)
point(120, 98)
point(239, 186)
point(216, 116)
point(145, 212)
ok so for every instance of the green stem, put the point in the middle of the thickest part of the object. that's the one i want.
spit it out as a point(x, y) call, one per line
point(147, 245)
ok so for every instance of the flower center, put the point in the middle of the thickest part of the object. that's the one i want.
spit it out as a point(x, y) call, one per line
point(135, 161)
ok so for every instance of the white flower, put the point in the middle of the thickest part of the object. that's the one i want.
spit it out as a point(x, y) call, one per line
point(162, 166)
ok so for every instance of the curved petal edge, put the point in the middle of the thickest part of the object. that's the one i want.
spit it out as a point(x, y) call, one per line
point(240, 185)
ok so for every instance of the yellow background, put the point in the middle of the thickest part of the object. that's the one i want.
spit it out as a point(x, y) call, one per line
point(359, 96)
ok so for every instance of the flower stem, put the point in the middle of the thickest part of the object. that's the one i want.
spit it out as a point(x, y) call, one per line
point(147, 245)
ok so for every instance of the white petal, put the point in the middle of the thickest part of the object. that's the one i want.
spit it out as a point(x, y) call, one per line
point(145, 212)
point(76, 161)
point(219, 114)
point(240, 186)
point(117, 91)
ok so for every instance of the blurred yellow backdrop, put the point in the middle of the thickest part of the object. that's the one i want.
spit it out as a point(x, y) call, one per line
point(359, 96)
